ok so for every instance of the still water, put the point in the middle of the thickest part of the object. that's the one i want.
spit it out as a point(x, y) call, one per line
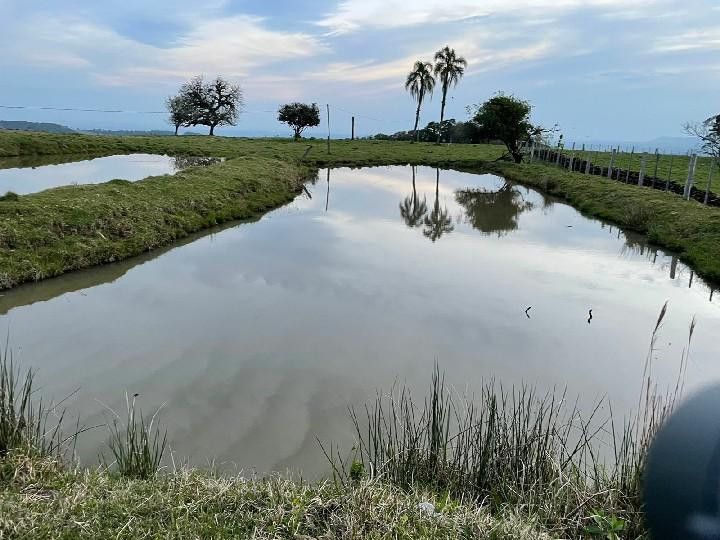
point(30, 179)
point(256, 338)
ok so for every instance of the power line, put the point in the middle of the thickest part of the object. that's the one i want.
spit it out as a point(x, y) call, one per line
point(73, 109)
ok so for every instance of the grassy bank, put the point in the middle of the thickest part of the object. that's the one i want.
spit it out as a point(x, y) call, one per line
point(686, 227)
point(48, 500)
point(355, 153)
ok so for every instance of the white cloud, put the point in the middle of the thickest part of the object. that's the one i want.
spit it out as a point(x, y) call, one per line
point(701, 39)
point(352, 15)
point(232, 46)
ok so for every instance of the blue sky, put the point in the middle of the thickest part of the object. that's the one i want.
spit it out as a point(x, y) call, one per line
point(602, 69)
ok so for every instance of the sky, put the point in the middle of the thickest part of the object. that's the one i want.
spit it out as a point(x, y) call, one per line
point(610, 70)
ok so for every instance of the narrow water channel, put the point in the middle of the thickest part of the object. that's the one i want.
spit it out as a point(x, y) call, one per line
point(256, 338)
point(23, 176)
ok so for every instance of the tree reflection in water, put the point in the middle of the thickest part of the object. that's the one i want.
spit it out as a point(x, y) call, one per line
point(493, 211)
point(438, 222)
point(412, 210)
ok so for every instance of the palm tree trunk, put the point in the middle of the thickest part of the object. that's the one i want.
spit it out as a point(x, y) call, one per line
point(417, 118)
point(442, 112)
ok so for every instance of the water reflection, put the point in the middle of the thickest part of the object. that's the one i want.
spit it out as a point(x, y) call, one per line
point(31, 175)
point(493, 211)
point(438, 222)
point(413, 210)
point(259, 337)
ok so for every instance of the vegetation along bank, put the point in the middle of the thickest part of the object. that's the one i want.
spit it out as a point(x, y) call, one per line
point(63, 229)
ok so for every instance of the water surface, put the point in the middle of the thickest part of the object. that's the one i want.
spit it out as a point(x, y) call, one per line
point(257, 337)
point(29, 178)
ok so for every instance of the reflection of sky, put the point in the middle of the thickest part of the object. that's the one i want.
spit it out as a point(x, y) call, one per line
point(258, 337)
point(93, 171)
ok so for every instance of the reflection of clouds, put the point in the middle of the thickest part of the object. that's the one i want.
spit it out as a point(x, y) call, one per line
point(130, 167)
point(259, 336)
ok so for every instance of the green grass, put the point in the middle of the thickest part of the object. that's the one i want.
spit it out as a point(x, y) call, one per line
point(47, 500)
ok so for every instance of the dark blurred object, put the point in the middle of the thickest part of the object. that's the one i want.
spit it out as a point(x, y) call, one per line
point(682, 477)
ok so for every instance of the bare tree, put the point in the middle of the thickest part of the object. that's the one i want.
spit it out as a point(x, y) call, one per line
point(215, 103)
point(709, 134)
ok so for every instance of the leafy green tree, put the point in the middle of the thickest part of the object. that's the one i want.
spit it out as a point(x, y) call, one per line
point(449, 68)
point(215, 103)
point(438, 222)
point(299, 116)
point(420, 82)
point(181, 111)
point(507, 119)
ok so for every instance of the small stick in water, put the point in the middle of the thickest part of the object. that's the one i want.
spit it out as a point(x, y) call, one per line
point(590, 318)
point(526, 312)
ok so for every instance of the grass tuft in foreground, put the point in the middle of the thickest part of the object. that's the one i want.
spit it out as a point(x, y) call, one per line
point(574, 473)
point(24, 423)
point(136, 445)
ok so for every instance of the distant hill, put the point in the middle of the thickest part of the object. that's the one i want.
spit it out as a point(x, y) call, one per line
point(21, 125)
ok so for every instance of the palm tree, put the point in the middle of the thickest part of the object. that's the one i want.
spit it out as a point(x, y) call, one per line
point(449, 68)
point(420, 81)
point(411, 210)
point(439, 221)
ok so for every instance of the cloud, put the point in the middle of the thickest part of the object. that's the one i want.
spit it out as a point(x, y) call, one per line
point(232, 46)
point(701, 39)
point(485, 50)
point(353, 15)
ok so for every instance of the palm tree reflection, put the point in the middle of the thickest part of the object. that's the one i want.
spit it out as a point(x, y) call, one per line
point(438, 222)
point(493, 211)
point(413, 210)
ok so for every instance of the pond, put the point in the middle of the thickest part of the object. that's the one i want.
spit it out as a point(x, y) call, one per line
point(256, 338)
point(30, 176)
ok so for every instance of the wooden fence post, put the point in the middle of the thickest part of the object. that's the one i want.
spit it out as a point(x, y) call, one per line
point(641, 176)
point(627, 175)
point(690, 177)
point(657, 162)
point(612, 160)
point(352, 133)
point(328, 122)
point(707, 190)
point(667, 183)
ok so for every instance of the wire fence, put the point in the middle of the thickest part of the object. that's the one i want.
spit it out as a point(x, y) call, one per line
point(689, 176)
